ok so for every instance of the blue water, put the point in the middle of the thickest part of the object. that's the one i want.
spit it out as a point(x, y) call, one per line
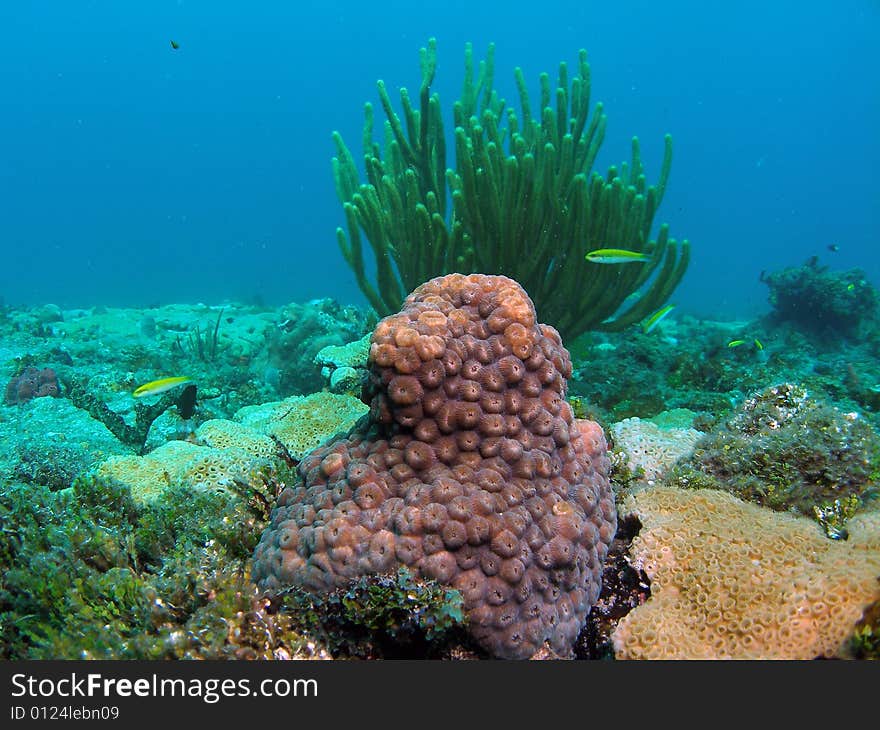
point(135, 174)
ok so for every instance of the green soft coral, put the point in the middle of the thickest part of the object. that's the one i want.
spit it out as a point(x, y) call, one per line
point(526, 202)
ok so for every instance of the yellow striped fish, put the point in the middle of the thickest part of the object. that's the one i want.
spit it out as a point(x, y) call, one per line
point(616, 256)
point(652, 321)
point(154, 387)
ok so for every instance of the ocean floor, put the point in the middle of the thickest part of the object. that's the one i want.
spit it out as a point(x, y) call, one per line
point(745, 462)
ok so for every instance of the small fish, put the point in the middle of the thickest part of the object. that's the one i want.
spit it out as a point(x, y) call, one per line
point(616, 256)
point(759, 344)
point(833, 247)
point(175, 45)
point(736, 343)
point(154, 387)
point(851, 287)
point(652, 321)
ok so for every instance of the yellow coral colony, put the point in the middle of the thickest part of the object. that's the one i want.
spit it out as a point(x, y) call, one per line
point(738, 581)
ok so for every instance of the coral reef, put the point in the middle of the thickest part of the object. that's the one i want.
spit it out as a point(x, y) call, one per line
point(303, 330)
point(733, 580)
point(383, 617)
point(649, 448)
point(220, 433)
point(526, 202)
point(90, 574)
point(686, 364)
point(107, 554)
point(345, 366)
point(470, 471)
point(87, 574)
point(49, 441)
point(222, 452)
point(181, 463)
point(830, 304)
point(133, 435)
point(787, 450)
point(31, 383)
point(302, 423)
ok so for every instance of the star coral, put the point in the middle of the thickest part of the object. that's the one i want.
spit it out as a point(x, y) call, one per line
point(732, 580)
point(471, 470)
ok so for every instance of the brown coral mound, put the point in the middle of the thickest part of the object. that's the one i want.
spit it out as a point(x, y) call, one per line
point(31, 383)
point(471, 470)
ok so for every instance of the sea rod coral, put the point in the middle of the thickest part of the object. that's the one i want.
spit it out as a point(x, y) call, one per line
point(470, 470)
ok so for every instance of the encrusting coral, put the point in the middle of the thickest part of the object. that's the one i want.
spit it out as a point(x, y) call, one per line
point(737, 581)
point(471, 471)
point(649, 450)
point(301, 423)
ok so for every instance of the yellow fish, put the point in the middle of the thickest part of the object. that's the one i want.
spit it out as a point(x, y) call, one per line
point(616, 256)
point(736, 343)
point(154, 387)
point(759, 344)
point(652, 321)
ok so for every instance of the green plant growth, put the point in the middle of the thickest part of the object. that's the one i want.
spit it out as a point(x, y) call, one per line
point(87, 573)
point(789, 451)
point(525, 201)
point(382, 616)
point(865, 641)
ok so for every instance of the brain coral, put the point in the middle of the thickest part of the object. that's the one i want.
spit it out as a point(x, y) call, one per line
point(471, 470)
point(732, 580)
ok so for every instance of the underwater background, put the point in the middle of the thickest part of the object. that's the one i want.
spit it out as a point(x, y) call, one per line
point(221, 439)
point(134, 173)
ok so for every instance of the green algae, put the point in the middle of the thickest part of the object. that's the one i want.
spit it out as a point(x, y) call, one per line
point(87, 573)
point(787, 450)
point(387, 616)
